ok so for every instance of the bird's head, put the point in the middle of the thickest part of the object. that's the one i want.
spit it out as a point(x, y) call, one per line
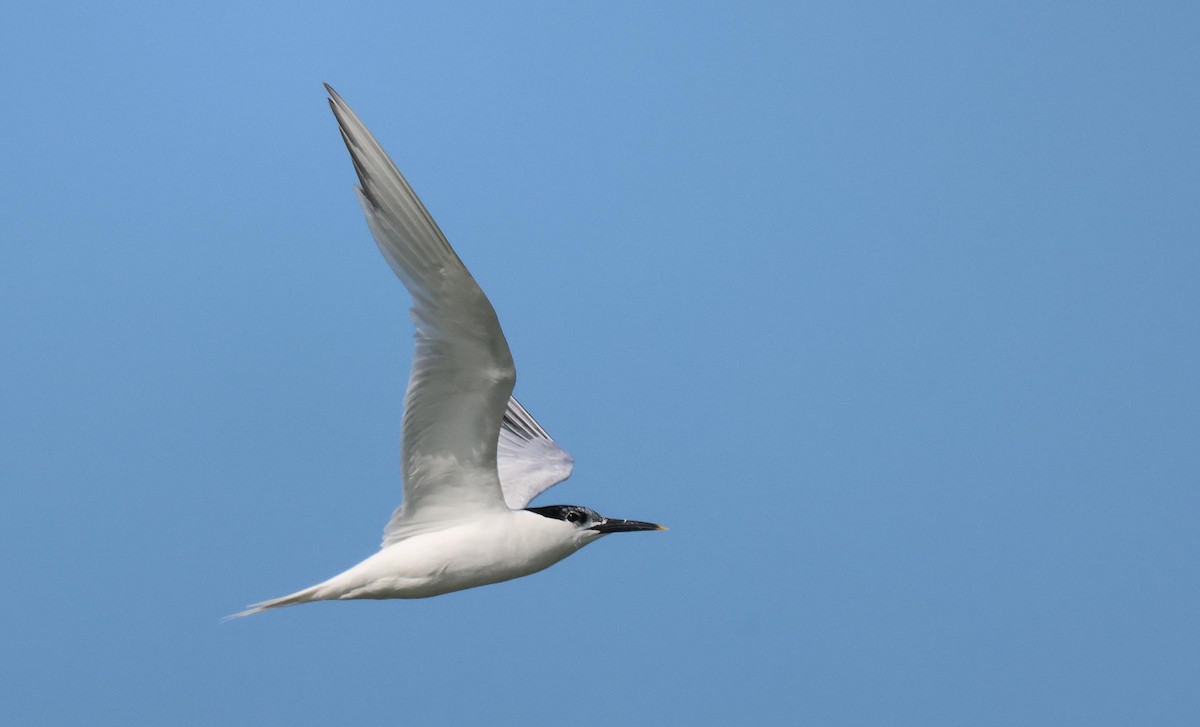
point(589, 525)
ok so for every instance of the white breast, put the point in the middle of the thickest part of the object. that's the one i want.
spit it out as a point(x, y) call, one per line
point(494, 548)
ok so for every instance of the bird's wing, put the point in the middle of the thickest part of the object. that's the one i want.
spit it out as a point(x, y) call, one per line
point(462, 371)
point(529, 461)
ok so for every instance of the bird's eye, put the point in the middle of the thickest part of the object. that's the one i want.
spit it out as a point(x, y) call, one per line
point(574, 516)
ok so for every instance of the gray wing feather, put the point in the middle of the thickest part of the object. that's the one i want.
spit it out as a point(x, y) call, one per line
point(462, 372)
point(529, 460)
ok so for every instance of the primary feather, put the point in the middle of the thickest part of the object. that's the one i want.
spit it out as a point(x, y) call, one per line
point(462, 371)
point(466, 443)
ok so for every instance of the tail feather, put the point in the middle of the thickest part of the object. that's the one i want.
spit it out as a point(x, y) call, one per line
point(308, 595)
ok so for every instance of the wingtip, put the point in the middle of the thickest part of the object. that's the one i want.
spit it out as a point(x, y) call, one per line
point(335, 98)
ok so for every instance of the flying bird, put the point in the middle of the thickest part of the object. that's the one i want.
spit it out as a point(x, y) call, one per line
point(472, 457)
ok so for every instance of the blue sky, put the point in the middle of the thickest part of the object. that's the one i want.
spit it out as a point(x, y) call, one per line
point(890, 311)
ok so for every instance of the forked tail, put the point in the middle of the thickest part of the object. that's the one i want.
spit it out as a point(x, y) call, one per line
point(308, 595)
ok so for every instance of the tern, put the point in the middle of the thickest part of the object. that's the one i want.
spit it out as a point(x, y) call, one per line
point(472, 457)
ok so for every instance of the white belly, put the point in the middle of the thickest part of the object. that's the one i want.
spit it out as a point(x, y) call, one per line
point(507, 545)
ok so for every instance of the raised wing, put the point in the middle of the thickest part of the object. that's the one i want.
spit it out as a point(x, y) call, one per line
point(529, 460)
point(462, 372)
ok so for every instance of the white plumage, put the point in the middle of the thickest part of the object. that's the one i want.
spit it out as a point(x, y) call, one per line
point(472, 456)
